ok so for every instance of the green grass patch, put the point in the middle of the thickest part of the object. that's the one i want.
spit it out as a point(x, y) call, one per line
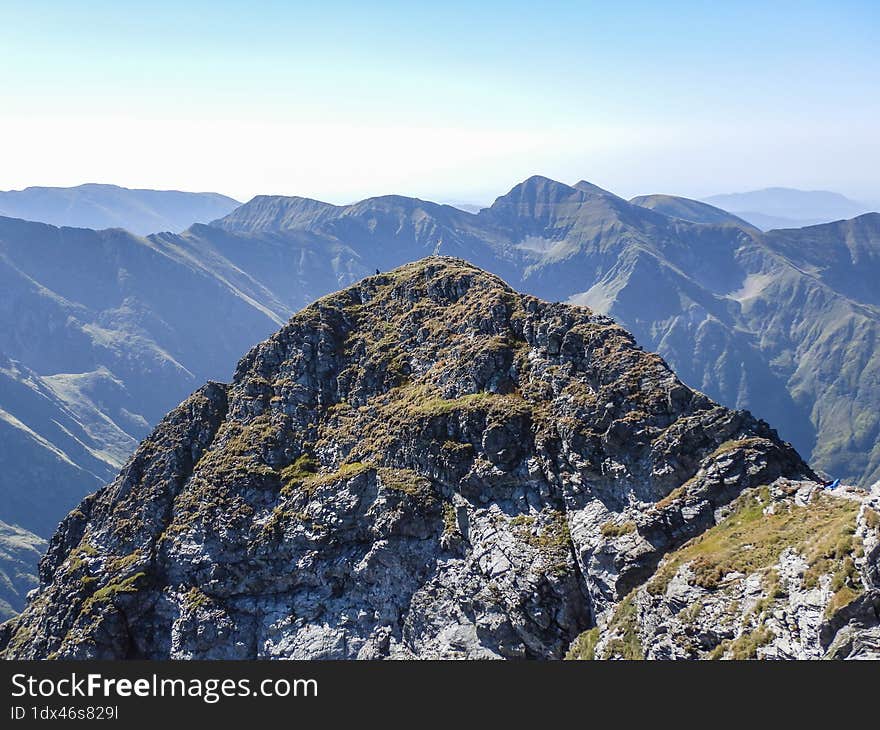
point(744, 646)
point(195, 599)
point(747, 540)
point(523, 520)
point(734, 444)
point(671, 497)
point(303, 468)
point(496, 404)
point(111, 591)
point(450, 519)
point(584, 647)
point(623, 626)
point(617, 529)
point(407, 481)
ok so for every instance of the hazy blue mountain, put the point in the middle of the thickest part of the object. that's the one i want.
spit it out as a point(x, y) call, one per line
point(843, 255)
point(687, 209)
point(111, 206)
point(765, 222)
point(99, 333)
point(789, 208)
point(466, 207)
point(102, 332)
point(57, 437)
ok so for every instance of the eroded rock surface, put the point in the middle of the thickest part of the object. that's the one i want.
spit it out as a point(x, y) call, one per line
point(789, 572)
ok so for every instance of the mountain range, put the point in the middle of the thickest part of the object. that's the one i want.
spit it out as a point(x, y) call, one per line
point(103, 332)
point(429, 465)
point(111, 206)
point(790, 208)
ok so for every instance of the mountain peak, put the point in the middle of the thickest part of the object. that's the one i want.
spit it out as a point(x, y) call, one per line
point(428, 416)
point(537, 187)
point(536, 198)
point(273, 213)
point(588, 187)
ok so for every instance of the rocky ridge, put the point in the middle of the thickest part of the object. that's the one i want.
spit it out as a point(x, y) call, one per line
point(424, 465)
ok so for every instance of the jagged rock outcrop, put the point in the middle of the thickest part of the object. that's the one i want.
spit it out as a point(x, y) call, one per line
point(788, 572)
point(426, 464)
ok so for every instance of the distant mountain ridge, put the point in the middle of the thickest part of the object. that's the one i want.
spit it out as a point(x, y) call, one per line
point(773, 208)
point(102, 332)
point(101, 206)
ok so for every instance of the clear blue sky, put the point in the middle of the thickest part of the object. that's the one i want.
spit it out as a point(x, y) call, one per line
point(340, 100)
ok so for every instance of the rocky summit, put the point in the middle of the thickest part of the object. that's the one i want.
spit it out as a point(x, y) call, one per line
point(429, 464)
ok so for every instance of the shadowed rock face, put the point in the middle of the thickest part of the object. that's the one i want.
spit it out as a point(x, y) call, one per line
point(425, 464)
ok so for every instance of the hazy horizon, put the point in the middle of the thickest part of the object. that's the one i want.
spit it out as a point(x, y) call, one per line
point(453, 201)
point(449, 103)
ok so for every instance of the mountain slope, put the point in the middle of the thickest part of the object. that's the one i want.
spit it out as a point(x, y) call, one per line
point(844, 256)
point(111, 206)
point(687, 209)
point(101, 333)
point(426, 464)
point(20, 551)
point(65, 444)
